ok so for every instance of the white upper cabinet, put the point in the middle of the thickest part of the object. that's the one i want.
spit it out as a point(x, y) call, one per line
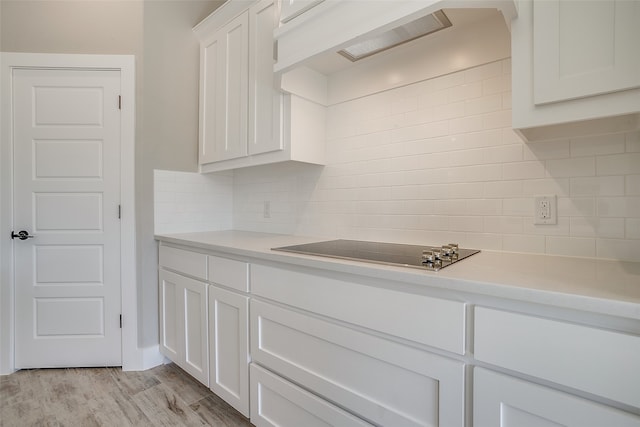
point(576, 67)
point(584, 48)
point(224, 84)
point(245, 119)
point(264, 99)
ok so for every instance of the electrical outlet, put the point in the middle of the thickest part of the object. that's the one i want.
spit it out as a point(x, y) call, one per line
point(266, 212)
point(545, 210)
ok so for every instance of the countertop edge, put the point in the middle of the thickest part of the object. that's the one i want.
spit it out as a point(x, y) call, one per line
point(440, 280)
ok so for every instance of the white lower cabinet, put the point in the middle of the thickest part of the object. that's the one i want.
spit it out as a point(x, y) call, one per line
point(183, 323)
point(276, 402)
point(379, 380)
point(229, 347)
point(500, 400)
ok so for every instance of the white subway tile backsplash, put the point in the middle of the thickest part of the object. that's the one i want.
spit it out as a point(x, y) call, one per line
point(598, 227)
point(465, 223)
point(437, 161)
point(598, 145)
point(597, 186)
point(504, 189)
point(471, 90)
point(575, 166)
point(620, 164)
point(485, 104)
point(494, 85)
point(571, 246)
point(547, 150)
point(465, 125)
point(632, 229)
point(576, 206)
point(534, 187)
point(522, 206)
point(496, 120)
point(627, 249)
point(632, 185)
point(624, 207)
point(523, 243)
point(562, 228)
point(633, 142)
point(523, 170)
point(483, 72)
point(188, 202)
point(503, 224)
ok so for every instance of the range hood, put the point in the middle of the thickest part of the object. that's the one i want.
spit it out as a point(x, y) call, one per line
point(335, 25)
point(396, 36)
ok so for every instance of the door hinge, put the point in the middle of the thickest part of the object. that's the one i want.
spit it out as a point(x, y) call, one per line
point(121, 321)
point(119, 211)
point(119, 102)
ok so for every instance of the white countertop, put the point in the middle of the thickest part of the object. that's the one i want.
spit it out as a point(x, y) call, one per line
point(598, 286)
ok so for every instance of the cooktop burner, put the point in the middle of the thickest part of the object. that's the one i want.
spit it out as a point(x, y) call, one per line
point(431, 258)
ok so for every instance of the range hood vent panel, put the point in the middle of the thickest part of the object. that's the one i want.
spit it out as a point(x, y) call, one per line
point(415, 29)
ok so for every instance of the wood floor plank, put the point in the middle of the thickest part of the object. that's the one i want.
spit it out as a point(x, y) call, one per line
point(85, 397)
point(174, 411)
point(182, 384)
point(216, 412)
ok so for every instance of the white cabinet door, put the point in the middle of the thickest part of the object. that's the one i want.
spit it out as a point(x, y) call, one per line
point(500, 400)
point(292, 8)
point(278, 403)
point(168, 313)
point(584, 48)
point(265, 101)
point(229, 347)
point(223, 90)
point(575, 68)
point(183, 323)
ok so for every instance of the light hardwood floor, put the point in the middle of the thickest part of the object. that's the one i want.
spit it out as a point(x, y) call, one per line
point(84, 397)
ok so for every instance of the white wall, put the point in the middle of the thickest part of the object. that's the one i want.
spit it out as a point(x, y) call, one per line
point(436, 162)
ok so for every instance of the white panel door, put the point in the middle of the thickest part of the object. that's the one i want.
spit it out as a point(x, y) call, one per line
point(229, 347)
point(66, 194)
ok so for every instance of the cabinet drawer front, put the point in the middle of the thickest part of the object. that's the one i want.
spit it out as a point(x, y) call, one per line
point(597, 361)
point(500, 400)
point(276, 402)
point(431, 321)
point(384, 382)
point(187, 262)
point(230, 273)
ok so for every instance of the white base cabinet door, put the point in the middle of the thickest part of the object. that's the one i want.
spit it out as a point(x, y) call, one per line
point(229, 347)
point(278, 403)
point(500, 400)
point(183, 323)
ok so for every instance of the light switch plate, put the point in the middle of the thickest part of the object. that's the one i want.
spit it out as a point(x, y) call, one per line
point(545, 210)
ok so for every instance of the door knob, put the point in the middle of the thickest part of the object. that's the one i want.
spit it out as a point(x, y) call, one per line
point(22, 235)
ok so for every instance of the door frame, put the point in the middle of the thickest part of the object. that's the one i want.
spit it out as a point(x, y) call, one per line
point(132, 355)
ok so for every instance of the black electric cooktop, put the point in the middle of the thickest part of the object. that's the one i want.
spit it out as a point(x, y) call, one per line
point(385, 253)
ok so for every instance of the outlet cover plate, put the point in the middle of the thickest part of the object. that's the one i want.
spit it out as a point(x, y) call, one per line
point(545, 210)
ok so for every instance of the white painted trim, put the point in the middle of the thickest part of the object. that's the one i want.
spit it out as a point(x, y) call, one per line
point(133, 357)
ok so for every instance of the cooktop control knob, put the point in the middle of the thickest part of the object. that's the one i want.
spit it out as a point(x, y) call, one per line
point(427, 256)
